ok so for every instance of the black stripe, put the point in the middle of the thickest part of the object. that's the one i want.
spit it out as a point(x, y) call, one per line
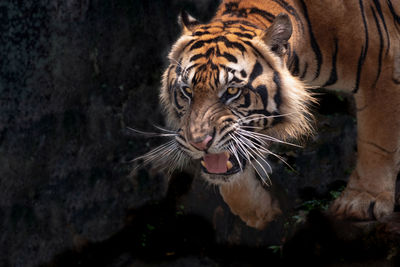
point(289, 52)
point(170, 81)
point(227, 124)
point(223, 39)
point(189, 43)
point(228, 23)
point(196, 57)
point(364, 49)
point(259, 111)
point(245, 30)
point(263, 23)
point(314, 44)
point(186, 72)
point(333, 76)
point(198, 44)
point(380, 46)
point(171, 86)
point(255, 50)
point(225, 138)
point(294, 64)
point(209, 52)
point(231, 6)
point(277, 118)
point(379, 9)
point(201, 68)
point(234, 11)
point(197, 76)
point(213, 66)
point(266, 15)
point(181, 140)
point(243, 35)
point(228, 69)
point(236, 80)
point(200, 33)
point(395, 16)
point(243, 73)
point(188, 69)
point(178, 113)
point(303, 75)
point(277, 97)
point(229, 57)
point(359, 66)
point(216, 78)
point(263, 92)
point(247, 101)
point(176, 100)
point(230, 44)
point(237, 113)
point(178, 69)
point(211, 86)
point(257, 70)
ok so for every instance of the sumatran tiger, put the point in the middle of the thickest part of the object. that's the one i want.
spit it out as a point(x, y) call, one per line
point(241, 82)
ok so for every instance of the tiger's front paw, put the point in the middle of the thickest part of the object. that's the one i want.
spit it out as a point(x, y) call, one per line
point(251, 202)
point(360, 205)
point(257, 215)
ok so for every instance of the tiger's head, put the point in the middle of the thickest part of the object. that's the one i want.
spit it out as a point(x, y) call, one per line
point(228, 94)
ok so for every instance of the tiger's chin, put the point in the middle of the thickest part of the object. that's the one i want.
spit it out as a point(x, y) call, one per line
point(220, 179)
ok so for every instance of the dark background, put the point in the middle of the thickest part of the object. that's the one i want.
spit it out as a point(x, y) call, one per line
point(73, 75)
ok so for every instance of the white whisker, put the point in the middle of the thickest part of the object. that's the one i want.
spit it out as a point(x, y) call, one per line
point(256, 150)
point(253, 117)
point(234, 152)
point(163, 129)
point(267, 151)
point(256, 135)
point(250, 127)
point(242, 149)
point(154, 151)
point(249, 146)
point(152, 134)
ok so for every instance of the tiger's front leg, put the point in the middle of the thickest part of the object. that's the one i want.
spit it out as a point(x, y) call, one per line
point(247, 198)
point(370, 193)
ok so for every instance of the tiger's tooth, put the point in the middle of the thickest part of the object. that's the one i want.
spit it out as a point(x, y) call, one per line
point(203, 164)
point(227, 154)
point(229, 165)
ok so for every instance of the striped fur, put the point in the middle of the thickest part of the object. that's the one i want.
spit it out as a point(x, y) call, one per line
point(271, 51)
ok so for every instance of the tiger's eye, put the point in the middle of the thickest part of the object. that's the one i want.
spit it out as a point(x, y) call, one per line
point(187, 90)
point(232, 90)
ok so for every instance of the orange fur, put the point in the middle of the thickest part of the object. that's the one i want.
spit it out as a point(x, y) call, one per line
point(345, 45)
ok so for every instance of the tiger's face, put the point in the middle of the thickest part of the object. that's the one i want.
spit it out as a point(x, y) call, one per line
point(228, 94)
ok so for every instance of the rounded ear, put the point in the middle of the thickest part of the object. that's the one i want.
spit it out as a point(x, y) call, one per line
point(187, 22)
point(278, 34)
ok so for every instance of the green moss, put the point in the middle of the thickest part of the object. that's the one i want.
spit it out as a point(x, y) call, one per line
point(336, 193)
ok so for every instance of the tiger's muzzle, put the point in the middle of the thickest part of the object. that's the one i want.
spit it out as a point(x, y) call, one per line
point(223, 163)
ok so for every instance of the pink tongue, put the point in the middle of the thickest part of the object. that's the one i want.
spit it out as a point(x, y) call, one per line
point(216, 163)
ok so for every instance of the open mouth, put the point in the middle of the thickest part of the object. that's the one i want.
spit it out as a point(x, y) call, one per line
point(222, 163)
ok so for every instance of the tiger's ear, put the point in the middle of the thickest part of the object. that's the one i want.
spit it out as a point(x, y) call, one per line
point(278, 34)
point(187, 22)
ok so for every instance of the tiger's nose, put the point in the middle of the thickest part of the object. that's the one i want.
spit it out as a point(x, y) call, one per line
point(204, 144)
